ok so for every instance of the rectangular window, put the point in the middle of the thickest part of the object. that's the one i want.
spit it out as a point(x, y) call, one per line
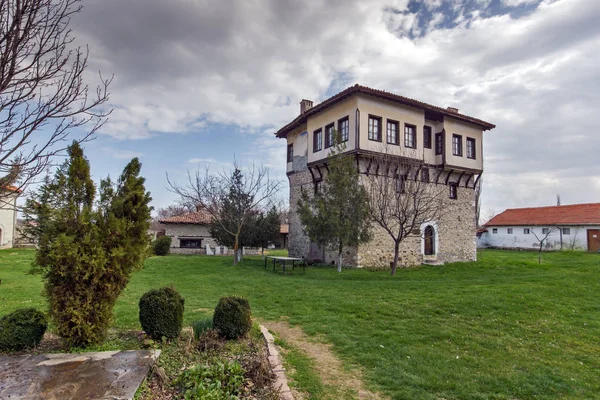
point(400, 184)
point(193, 243)
point(427, 137)
point(329, 135)
point(317, 187)
point(453, 191)
point(425, 175)
point(344, 128)
point(525, 231)
point(566, 231)
point(545, 231)
point(410, 136)
point(290, 152)
point(509, 231)
point(317, 140)
point(457, 145)
point(392, 132)
point(470, 148)
point(495, 230)
point(375, 128)
point(439, 143)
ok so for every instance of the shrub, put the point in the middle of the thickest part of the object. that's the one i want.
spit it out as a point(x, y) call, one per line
point(161, 313)
point(162, 245)
point(217, 380)
point(232, 318)
point(200, 326)
point(23, 328)
point(89, 244)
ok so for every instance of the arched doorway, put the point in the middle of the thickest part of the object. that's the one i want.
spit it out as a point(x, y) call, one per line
point(429, 238)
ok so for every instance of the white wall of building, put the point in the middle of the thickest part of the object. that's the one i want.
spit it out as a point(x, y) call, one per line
point(576, 239)
point(8, 220)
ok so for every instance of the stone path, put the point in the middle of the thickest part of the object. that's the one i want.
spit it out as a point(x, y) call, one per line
point(114, 375)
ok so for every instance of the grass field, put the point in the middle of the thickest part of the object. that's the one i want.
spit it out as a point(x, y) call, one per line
point(504, 327)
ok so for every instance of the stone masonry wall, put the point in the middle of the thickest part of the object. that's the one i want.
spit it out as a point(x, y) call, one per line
point(455, 238)
point(455, 233)
point(298, 243)
point(175, 231)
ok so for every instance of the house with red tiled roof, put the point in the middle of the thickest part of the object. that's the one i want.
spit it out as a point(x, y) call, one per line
point(190, 232)
point(575, 226)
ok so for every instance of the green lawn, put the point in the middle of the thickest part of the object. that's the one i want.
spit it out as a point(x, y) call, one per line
point(502, 328)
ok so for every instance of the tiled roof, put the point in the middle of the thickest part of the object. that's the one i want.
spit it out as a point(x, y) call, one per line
point(574, 214)
point(198, 218)
point(384, 95)
point(12, 189)
point(284, 228)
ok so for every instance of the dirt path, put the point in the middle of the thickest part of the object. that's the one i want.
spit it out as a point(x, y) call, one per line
point(329, 368)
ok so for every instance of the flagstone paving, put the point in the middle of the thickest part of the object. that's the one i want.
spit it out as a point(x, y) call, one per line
point(102, 375)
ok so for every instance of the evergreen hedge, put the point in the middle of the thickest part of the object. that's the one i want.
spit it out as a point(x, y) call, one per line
point(22, 328)
point(161, 313)
point(232, 317)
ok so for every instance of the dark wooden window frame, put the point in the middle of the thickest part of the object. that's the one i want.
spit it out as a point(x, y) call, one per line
point(471, 145)
point(379, 128)
point(425, 175)
point(427, 136)
point(457, 150)
point(329, 132)
point(526, 231)
point(396, 124)
point(344, 132)
point(317, 140)
point(566, 231)
point(190, 240)
point(494, 230)
point(453, 190)
point(401, 183)
point(439, 143)
point(509, 231)
point(413, 135)
point(290, 152)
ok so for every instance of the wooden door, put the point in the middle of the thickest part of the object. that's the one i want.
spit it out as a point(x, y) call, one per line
point(593, 239)
point(429, 241)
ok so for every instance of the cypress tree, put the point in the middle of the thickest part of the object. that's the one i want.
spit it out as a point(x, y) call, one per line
point(86, 251)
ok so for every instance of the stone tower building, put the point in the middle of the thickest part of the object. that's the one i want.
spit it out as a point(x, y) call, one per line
point(374, 123)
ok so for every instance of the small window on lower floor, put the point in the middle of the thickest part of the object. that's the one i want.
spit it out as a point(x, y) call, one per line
point(509, 230)
point(195, 243)
point(526, 231)
point(545, 231)
point(566, 231)
point(453, 191)
point(495, 230)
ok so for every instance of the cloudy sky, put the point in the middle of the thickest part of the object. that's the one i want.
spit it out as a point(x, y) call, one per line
point(198, 82)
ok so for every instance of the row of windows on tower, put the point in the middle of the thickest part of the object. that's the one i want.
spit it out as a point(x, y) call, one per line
point(410, 137)
point(343, 129)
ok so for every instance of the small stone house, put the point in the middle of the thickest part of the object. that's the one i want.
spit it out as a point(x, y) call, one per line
point(190, 232)
point(8, 216)
point(441, 146)
point(572, 227)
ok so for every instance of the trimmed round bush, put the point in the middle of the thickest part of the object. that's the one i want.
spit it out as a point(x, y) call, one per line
point(162, 245)
point(21, 329)
point(161, 313)
point(232, 317)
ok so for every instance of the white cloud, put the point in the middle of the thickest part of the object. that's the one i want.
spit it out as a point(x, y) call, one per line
point(181, 66)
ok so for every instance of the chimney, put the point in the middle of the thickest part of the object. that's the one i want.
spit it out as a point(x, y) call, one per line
point(305, 105)
point(452, 109)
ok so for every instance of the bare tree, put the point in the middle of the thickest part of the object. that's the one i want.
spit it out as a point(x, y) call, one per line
point(402, 198)
point(43, 96)
point(542, 238)
point(232, 198)
point(172, 210)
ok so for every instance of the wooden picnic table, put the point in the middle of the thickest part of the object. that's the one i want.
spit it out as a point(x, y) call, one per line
point(283, 261)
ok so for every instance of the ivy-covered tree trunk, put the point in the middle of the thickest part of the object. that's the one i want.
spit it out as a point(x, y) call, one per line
point(86, 254)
